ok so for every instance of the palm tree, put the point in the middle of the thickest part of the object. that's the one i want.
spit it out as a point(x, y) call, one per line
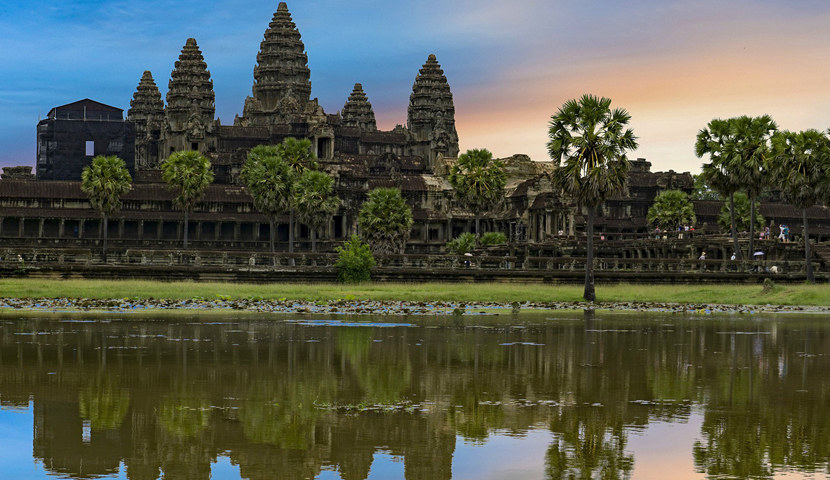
point(750, 162)
point(670, 209)
point(268, 179)
point(187, 174)
point(297, 154)
point(315, 201)
point(589, 141)
point(478, 181)
point(742, 217)
point(385, 221)
point(717, 141)
point(802, 168)
point(105, 181)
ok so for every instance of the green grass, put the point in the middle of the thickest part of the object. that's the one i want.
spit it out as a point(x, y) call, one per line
point(455, 292)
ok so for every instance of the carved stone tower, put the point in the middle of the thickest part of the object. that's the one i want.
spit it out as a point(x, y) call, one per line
point(189, 122)
point(282, 79)
point(431, 114)
point(147, 113)
point(357, 112)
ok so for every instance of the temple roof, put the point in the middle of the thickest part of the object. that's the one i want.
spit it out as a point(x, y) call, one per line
point(357, 112)
point(147, 98)
point(86, 105)
point(190, 86)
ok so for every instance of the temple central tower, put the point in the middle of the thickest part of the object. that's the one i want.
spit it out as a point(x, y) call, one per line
point(431, 114)
point(282, 79)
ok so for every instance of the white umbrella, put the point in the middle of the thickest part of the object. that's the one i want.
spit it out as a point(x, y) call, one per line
point(468, 254)
point(757, 254)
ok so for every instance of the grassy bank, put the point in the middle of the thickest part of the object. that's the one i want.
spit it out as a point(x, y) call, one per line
point(814, 295)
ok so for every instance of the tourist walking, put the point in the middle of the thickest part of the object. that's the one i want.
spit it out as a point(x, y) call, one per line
point(781, 235)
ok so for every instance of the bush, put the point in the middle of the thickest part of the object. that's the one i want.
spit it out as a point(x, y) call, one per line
point(355, 261)
point(464, 243)
point(493, 238)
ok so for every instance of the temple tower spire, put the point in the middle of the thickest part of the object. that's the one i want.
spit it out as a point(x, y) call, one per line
point(431, 114)
point(147, 113)
point(189, 121)
point(282, 79)
point(357, 112)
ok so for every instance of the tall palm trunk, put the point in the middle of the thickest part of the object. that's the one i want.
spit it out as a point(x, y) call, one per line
point(478, 222)
point(272, 232)
point(186, 223)
point(291, 236)
point(105, 238)
point(807, 256)
point(734, 227)
point(590, 295)
point(291, 231)
point(751, 251)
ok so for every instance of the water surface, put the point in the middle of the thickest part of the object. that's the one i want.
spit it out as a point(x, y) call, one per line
point(536, 396)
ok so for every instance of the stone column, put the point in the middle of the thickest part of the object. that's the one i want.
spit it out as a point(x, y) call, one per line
point(20, 227)
point(60, 228)
point(548, 224)
point(236, 228)
point(40, 228)
point(571, 224)
point(425, 232)
point(217, 229)
point(1, 226)
point(199, 230)
point(344, 226)
point(159, 229)
point(141, 229)
point(121, 228)
point(81, 223)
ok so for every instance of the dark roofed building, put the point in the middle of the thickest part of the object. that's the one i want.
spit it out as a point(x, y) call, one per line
point(72, 134)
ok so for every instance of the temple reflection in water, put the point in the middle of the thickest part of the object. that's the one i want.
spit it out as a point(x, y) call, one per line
point(288, 400)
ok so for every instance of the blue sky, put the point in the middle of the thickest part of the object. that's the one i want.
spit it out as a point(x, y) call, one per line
point(673, 64)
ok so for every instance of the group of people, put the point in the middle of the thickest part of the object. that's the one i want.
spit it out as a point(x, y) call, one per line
point(784, 236)
point(683, 231)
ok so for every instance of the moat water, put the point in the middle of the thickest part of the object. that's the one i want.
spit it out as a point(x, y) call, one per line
point(534, 396)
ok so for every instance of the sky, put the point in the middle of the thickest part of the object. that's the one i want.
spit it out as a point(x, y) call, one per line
point(674, 65)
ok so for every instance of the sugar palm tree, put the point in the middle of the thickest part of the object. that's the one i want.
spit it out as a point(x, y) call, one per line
point(385, 221)
point(268, 179)
point(105, 181)
point(315, 201)
point(588, 142)
point(717, 141)
point(297, 154)
point(187, 174)
point(478, 181)
point(670, 209)
point(802, 167)
point(750, 162)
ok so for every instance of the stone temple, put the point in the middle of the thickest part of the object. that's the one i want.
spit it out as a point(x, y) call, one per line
point(415, 158)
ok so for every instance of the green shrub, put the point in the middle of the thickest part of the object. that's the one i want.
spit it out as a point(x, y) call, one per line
point(493, 238)
point(355, 261)
point(464, 243)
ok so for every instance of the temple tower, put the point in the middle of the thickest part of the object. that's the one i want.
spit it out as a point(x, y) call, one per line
point(357, 112)
point(147, 113)
point(282, 79)
point(431, 114)
point(189, 121)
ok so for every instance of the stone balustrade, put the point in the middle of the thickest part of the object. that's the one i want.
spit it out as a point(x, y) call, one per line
point(15, 258)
